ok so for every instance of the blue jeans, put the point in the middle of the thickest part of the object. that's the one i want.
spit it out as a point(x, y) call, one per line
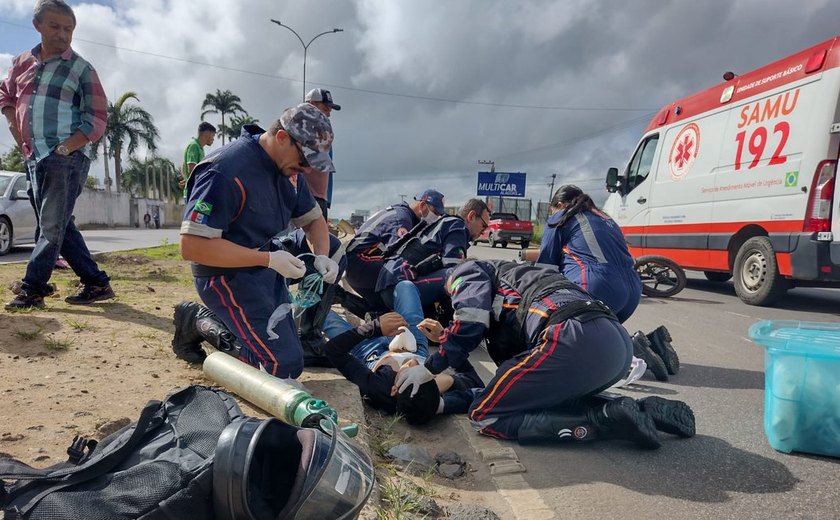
point(57, 182)
point(406, 300)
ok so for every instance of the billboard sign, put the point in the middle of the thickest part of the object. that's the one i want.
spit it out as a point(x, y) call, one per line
point(501, 184)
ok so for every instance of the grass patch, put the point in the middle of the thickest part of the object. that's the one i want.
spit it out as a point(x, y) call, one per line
point(163, 252)
point(383, 438)
point(399, 497)
point(80, 325)
point(28, 335)
point(57, 344)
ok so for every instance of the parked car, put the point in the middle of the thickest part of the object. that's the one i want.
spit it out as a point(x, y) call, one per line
point(17, 218)
point(506, 227)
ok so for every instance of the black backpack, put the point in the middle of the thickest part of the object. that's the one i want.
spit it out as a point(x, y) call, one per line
point(160, 467)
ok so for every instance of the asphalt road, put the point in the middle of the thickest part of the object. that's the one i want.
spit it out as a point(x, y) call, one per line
point(103, 240)
point(728, 470)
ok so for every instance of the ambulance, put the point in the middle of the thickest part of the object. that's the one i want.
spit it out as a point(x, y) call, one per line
point(738, 181)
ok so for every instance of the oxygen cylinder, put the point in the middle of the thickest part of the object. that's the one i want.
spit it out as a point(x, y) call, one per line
point(282, 400)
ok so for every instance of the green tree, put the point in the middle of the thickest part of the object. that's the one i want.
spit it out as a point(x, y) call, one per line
point(129, 126)
point(12, 161)
point(222, 103)
point(142, 178)
point(90, 182)
point(233, 130)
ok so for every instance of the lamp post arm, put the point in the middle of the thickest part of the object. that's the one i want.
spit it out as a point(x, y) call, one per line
point(318, 36)
point(293, 32)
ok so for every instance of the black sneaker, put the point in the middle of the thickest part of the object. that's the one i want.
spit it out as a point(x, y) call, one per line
point(91, 293)
point(26, 300)
point(660, 341)
point(643, 350)
point(669, 416)
point(17, 287)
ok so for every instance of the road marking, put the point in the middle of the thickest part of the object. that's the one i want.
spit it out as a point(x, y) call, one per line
point(506, 472)
point(736, 314)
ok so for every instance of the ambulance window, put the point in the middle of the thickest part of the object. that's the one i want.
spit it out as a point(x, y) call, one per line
point(639, 167)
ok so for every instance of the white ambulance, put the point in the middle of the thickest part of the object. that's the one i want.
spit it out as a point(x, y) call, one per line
point(738, 180)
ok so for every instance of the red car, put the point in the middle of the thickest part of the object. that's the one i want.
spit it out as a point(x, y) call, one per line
point(506, 227)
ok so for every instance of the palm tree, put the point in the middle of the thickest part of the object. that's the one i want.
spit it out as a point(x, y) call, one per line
point(129, 125)
point(236, 123)
point(142, 178)
point(222, 103)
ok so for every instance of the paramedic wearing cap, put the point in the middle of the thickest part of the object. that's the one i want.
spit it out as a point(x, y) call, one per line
point(364, 252)
point(425, 259)
point(239, 199)
point(320, 173)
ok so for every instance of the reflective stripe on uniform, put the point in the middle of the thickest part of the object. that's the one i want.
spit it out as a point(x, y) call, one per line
point(591, 240)
point(472, 314)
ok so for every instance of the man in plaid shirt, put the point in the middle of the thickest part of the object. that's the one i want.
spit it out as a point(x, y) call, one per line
point(55, 107)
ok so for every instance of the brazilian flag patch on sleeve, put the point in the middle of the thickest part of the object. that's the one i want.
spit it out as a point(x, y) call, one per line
point(205, 208)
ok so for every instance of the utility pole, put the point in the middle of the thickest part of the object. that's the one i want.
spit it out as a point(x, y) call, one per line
point(551, 192)
point(402, 196)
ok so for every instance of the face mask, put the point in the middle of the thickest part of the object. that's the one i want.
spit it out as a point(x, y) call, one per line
point(430, 217)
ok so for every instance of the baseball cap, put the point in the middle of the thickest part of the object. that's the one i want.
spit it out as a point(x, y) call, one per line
point(309, 127)
point(433, 198)
point(321, 95)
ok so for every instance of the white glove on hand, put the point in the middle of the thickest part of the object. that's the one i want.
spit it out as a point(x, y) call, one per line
point(327, 267)
point(413, 377)
point(286, 264)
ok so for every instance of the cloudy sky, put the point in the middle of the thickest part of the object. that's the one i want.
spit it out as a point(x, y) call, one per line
point(428, 88)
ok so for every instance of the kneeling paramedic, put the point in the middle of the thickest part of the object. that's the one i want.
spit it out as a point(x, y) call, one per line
point(556, 347)
point(241, 197)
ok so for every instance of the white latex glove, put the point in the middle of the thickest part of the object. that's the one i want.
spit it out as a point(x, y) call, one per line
point(413, 377)
point(286, 264)
point(327, 267)
point(403, 342)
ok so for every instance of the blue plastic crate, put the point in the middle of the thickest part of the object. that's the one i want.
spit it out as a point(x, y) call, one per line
point(801, 385)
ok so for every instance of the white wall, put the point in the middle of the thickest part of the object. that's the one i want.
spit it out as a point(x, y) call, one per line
point(91, 210)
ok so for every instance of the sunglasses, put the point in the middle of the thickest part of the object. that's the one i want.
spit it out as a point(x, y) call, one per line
point(301, 156)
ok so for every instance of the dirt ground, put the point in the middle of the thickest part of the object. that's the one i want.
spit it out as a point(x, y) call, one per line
point(88, 370)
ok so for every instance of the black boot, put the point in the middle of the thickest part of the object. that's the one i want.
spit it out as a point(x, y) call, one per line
point(643, 350)
point(187, 341)
point(212, 329)
point(669, 416)
point(660, 341)
point(617, 419)
point(352, 302)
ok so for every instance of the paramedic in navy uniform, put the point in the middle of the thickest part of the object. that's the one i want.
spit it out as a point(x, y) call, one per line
point(241, 197)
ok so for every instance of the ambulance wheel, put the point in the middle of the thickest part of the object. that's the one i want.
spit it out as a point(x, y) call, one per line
point(661, 277)
point(491, 240)
point(716, 276)
point(504, 245)
point(756, 274)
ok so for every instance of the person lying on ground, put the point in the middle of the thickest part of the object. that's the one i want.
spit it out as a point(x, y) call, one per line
point(362, 355)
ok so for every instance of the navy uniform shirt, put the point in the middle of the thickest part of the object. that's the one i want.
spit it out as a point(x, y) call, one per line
point(238, 193)
point(448, 236)
point(382, 229)
point(586, 242)
point(477, 300)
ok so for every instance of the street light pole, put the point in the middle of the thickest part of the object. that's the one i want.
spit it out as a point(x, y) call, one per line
point(306, 47)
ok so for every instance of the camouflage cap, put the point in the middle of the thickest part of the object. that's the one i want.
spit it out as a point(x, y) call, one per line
point(308, 126)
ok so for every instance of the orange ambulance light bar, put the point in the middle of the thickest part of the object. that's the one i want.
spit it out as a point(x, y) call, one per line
point(816, 61)
point(818, 214)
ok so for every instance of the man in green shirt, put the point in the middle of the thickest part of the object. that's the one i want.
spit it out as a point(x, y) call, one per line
point(194, 153)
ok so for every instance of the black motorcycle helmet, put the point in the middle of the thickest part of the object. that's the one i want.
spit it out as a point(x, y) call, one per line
point(269, 470)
